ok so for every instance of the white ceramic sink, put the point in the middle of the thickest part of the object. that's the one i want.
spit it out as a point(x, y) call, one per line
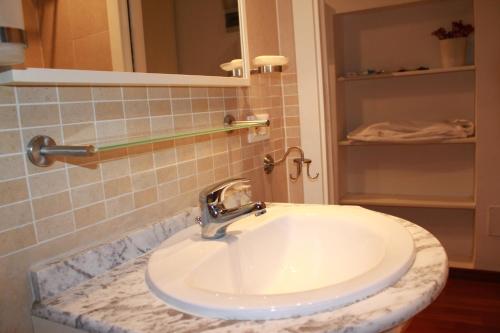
point(293, 260)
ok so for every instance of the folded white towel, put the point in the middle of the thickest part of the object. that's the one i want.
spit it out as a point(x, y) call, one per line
point(413, 131)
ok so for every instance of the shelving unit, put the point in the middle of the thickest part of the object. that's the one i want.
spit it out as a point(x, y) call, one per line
point(429, 183)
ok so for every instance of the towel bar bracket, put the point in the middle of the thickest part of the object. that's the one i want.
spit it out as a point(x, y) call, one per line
point(41, 149)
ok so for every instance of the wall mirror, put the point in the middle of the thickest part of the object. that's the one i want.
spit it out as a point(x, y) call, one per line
point(186, 39)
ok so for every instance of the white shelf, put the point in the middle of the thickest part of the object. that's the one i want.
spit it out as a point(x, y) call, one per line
point(461, 264)
point(471, 140)
point(408, 201)
point(409, 73)
point(48, 76)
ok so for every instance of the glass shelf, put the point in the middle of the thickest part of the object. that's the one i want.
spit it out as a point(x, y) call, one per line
point(41, 149)
point(112, 143)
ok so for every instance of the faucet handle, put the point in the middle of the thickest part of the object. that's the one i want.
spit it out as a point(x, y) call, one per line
point(214, 193)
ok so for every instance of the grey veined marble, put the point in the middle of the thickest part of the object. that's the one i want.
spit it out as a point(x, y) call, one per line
point(120, 301)
point(52, 278)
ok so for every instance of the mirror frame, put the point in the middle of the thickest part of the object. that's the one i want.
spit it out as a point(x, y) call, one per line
point(72, 77)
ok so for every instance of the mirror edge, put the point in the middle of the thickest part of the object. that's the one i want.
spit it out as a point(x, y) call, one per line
point(74, 77)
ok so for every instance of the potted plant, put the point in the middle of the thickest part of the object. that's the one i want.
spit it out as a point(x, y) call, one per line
point(453, 43)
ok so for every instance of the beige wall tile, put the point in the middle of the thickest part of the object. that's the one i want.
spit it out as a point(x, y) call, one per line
point(168, 190)
point(82, 175)
point(184, 150)
point(106, 93)
point(13, 190)
point(215, 92)
point(145, 197)
point(164, 153)
point(166, 174)
point(117, 186)
point(8, 117)
point(186, 169)
point(16, 239)
point(199, 105)
point(15, 215)
point(160, 108)
point(198, 92)
point(143, 180)
point(39, 115)
point(86, 195)
point(204, 164)
point(205, 178)
point(134, 93)
point(77, 113)
point(221, 173)
point(115, 168)
point(136, 109)
point(54, 226)
point(79, 133)
point(216, 104)
point(109, 110)
point(90, 215)
point(47, 183)
point(183, 122)
point(188, 184)
point(51, 205)
point(179, 92)
point(181, 106)
point(162, 125)
point(110, 131)
point(119, 205)
point(141, 162)
point(74, 94)
point(11, 167)
point(7, 95)
point(158, 92)
point(139, 127)
point(36, 94)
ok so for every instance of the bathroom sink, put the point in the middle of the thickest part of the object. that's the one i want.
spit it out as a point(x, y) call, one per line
point(294, 260)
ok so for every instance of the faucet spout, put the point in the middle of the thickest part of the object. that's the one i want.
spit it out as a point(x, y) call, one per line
point(215, 217)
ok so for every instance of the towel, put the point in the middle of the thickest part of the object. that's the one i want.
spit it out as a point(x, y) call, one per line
point(413, 131)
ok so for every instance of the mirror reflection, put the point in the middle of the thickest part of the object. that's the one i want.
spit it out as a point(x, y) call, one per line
point(191, 37)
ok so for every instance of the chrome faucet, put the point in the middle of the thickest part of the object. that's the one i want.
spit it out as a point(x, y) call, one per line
point(215, 217)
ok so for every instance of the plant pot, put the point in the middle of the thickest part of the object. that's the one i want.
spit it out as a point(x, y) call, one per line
point(453, 52)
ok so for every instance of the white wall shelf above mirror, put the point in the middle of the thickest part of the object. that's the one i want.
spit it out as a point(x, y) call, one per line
point(69, 77)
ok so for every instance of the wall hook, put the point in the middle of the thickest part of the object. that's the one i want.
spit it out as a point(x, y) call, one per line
point(298, 164)
point(269, 164)
point(307, 161)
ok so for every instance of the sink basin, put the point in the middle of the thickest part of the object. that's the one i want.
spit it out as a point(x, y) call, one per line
point(293, 260)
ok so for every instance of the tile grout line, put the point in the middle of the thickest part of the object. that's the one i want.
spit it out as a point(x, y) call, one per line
point(25, 162)
point(70, 192)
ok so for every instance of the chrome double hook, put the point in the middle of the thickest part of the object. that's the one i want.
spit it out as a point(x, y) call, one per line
point(299, 162)
point(269, 164)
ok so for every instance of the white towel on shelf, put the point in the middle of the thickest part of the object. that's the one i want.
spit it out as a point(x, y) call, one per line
point(413, 131)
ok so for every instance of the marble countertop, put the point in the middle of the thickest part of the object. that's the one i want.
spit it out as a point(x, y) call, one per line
point(119, 300)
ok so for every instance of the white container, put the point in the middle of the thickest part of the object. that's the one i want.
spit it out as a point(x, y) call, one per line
point(453, 51)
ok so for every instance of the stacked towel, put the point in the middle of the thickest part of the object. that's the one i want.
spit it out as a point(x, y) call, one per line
point(413, 131)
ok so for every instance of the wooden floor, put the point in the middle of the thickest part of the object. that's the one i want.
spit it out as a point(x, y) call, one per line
point(469, 303)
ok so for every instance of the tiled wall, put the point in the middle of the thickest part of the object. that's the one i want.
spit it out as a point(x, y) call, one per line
point(48, 211)
point(40, 204)
point(45, 212)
